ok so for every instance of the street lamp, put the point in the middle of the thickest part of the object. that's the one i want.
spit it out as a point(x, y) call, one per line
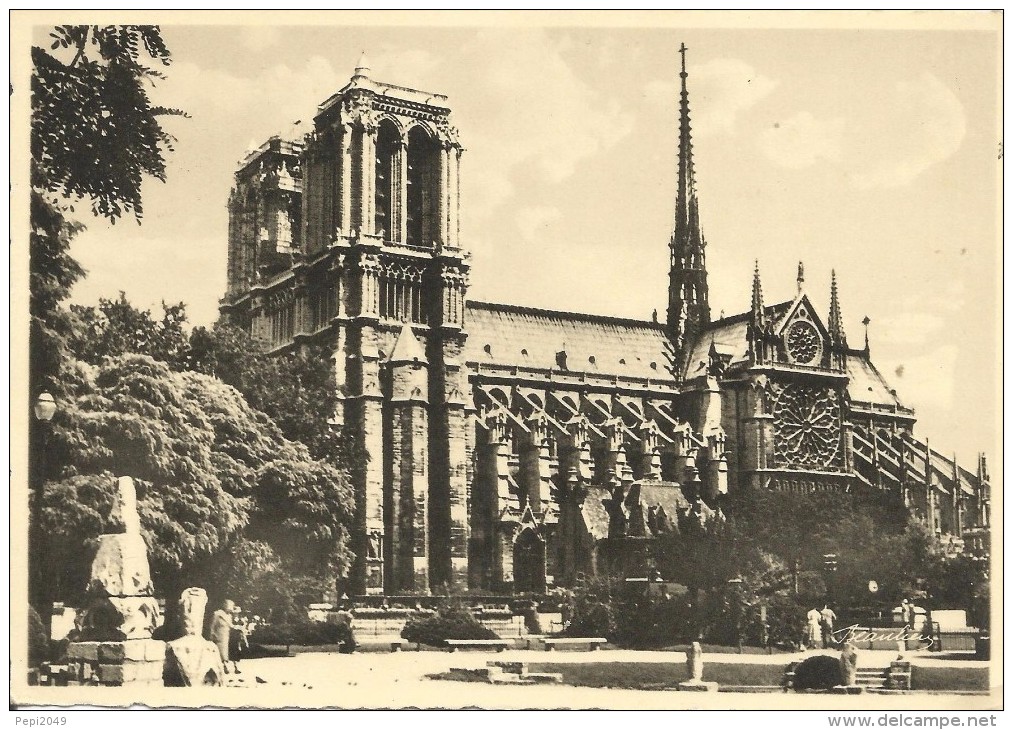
point(43, 409)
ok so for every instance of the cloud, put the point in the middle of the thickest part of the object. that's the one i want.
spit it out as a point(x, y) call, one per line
point(410, 67)
point(259, 37)
point(802, 140)
point(555, 120)
point(927, 380)
point(533, 218)
point(720, 90)
point(910, 328)
point(925, 123)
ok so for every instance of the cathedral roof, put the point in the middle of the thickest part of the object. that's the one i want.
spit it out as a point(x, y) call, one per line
point(507, 335)
point(592, 509)
point(667, 495)
point(730, 337)
point(867, 385)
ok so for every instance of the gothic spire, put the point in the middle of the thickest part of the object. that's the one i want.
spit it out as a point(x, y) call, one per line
point(757, 319)
point(757, 308)
point(800, 279)
point(866, 322)
point(836, 321)
point(688, 305)
point(686, 184)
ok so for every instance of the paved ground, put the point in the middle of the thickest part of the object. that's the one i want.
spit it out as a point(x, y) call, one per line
point(399, 680)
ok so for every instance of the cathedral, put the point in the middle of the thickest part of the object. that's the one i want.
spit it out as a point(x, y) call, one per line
point(516, 449)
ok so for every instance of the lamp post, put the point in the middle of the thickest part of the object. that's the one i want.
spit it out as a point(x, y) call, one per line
point(43, 409)
point(830, 569)
point(736, 589)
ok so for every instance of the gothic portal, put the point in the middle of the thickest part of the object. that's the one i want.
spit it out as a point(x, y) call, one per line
point(513, 449)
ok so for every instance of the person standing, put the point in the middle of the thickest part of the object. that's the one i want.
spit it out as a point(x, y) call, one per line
point(813, 634)
point(221, 631)
point(239, 640)
point(827, 618)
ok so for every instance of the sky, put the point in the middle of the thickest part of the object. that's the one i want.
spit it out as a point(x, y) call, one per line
point(872, 152)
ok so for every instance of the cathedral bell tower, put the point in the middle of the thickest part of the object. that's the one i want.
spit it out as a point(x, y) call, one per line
point(381, 223)
point(688, 307)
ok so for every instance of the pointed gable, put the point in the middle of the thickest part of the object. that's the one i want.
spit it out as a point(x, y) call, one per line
point(407, 349)
point(801, 308)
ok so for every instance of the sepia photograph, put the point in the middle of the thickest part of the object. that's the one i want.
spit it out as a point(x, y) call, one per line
point(506, 360)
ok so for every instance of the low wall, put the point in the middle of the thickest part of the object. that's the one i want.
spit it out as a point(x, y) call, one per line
point(645, 675)
point(380, 628)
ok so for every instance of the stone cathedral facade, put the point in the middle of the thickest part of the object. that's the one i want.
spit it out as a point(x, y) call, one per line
point(510, 448)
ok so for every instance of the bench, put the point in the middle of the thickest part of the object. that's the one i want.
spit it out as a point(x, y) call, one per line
point(593, 644)
point(497, 644)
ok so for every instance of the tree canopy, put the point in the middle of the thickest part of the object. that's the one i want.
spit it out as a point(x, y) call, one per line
point(213, 474)
point(95, 132)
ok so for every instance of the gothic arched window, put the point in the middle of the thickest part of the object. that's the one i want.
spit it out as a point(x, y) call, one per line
point(387, 142)
point(423, 188)
point(253, 233)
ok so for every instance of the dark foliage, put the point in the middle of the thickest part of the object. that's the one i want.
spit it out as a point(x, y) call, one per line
point(303, 633)
point(768, 554)
point(95, 133)
point(296, 389)
point(115, 327)
point(453, 621)
point(38, 640)
point(817, 672)
point(52, 274)
point(628, 616)
point(207, 465)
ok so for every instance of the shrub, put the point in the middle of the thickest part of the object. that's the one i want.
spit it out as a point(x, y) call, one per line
point(453, 621)
point(591, 610)
point(303, 633)
point(38, 642)
point(818, 672)
point(627, 616)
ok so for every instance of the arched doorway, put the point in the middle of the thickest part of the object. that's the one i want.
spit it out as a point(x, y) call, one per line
point(529, 563)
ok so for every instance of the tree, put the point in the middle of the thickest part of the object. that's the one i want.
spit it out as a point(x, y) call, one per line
point(115, 327)
point(296, 389)
point(95, 133)
point(52, 274)
point(208, 465)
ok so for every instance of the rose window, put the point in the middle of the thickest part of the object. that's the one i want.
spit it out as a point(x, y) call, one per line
point(803, 342)
point(807, 432)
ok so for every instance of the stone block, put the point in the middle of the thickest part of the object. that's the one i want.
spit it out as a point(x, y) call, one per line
point(848, 690)
point(130, 672)
point(115, 618)
point(114, 652)
point(86, 651)
point(120, 567)
point(112, 674)
point(510, 667)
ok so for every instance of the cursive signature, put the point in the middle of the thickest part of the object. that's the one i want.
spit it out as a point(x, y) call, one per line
point(856, 633)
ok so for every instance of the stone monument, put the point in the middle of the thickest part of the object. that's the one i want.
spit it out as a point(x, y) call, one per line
point(193, 660)
point(114, 644)
point(694, 663)
point(849, 669)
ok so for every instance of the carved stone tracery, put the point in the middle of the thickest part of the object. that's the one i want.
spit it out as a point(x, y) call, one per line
point(807, 427)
